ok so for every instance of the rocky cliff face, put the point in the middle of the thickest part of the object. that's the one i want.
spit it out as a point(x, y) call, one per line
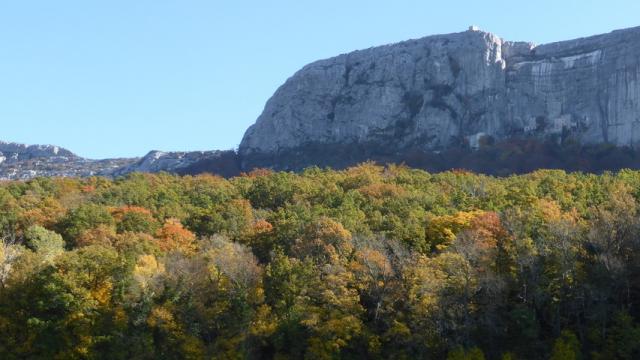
point(450, 91)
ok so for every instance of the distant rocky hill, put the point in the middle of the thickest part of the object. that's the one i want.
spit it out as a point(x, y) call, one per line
point(466, 100)
point(18, 152)
point(18, 161)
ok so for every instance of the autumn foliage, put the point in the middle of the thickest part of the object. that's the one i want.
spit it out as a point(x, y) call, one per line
point(366, 263)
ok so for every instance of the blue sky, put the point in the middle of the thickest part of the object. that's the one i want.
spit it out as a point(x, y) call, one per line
point(121, 77)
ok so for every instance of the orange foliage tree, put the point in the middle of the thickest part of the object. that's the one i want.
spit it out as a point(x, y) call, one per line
point(173, 236)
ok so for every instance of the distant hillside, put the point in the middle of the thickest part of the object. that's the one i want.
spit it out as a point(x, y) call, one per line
point(19, 161)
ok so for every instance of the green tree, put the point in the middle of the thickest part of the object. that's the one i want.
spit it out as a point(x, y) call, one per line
point(461, 354)
point(44, 242)
point(566, 347)
point(86, 217)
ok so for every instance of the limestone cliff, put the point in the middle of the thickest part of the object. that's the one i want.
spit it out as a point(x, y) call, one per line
point(450, 91)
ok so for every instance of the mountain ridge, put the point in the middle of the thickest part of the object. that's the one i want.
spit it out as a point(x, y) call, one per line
point(463, 100)
point(21, 162)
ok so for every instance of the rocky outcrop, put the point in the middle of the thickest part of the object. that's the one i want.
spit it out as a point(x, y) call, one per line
point(223, 163)
point(450, 91)
point(156, 161)
point(16, 152)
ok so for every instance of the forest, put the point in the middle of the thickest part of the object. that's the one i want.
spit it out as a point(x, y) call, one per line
point(369, 262)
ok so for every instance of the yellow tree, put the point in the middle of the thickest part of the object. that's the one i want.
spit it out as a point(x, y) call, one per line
point(442, 230)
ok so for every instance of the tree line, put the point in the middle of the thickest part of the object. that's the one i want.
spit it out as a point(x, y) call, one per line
point(367, 262)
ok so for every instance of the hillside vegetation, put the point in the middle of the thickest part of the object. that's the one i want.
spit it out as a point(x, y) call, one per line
point(368, 262)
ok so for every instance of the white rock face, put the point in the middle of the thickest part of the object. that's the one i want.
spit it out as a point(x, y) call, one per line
point(474, 140)
point(439, 91)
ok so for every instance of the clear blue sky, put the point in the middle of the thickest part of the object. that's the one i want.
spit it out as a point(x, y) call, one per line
point(121, 77)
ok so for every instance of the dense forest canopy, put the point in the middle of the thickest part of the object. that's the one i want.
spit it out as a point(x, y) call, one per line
point(369, 262)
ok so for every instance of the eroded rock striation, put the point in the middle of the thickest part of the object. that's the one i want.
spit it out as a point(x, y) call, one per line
point(450, 91)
